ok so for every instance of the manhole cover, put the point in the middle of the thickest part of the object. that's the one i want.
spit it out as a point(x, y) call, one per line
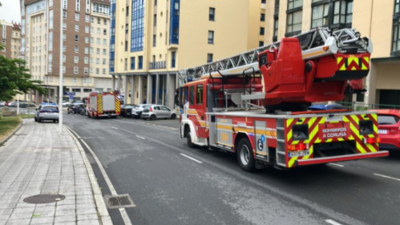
point(42, 199)
point(120, 201)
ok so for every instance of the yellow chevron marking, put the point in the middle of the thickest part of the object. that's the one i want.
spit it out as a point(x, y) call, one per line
point(288, 122)
point(289, 135)
point(311, 151)
point(291, 161)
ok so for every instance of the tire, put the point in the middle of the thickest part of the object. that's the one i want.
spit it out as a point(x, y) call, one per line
point(40, 120)
point(173, 116)
point(54, 121)
point(189, 140)
point(153, 117)
point(245, 155)
point(35, 119)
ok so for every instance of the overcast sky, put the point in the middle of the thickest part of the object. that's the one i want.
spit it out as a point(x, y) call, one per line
point(10, 10)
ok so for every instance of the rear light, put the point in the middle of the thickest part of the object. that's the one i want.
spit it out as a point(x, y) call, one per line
point(42, 111)
point(298, 147)
point(372, 140)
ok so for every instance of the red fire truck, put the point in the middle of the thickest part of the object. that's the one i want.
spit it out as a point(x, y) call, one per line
point(104, 104)
point(255, 104)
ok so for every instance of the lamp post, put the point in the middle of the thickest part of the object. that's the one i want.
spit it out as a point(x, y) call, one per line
point(60, 94)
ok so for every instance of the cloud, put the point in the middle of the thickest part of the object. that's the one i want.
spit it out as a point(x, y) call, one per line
point(10, 11)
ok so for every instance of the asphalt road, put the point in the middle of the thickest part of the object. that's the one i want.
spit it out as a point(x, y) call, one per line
point(149, 161)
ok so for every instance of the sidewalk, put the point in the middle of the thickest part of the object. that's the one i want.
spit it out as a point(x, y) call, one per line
point(37, 160)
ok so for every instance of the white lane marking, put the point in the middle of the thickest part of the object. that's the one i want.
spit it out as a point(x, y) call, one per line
point(332, 222)
point(114, 128)
point(140, 137)
point(123, 212)
point(388, 177)
point(191, 158)
point(335, 164)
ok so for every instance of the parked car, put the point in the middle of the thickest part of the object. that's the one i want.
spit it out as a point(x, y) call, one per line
point(12, 104)
point(74, 108)
point(158, 112)
point(82, 109)
point(47, 112)
point(2, 104)
point(124, 110)
point(389, 129)
point(137, 111)
point(66, 104)
point(326, 106)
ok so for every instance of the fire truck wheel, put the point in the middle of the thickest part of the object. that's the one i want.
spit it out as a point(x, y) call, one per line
point(189, 140)
point(245, 155)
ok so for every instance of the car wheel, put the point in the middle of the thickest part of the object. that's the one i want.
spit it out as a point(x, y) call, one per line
point(153, 117)
point(40, 120)
point(245, 155)
point(173, 116)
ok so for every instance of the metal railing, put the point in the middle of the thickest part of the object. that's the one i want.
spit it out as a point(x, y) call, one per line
point(361, 106)
point(158, 65)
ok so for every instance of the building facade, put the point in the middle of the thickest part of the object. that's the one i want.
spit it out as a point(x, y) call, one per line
point(377, 19)
point(85, 45)
point(10, 39)
point(152, 40)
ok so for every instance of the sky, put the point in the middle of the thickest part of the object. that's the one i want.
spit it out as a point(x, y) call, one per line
point(9, 11)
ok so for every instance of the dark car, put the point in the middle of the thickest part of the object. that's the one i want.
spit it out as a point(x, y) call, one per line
point(126, 110)
point(74, 108)
point(82, 109)
point(326, 106)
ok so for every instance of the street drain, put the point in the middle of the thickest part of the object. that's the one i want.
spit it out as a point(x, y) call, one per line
point(120, 201)
point(42, 199)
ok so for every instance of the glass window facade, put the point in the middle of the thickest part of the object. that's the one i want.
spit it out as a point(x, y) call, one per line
point(174, 22)
point(137, 26)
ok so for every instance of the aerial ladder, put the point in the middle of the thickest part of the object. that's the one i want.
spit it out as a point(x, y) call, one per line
point(327, 55)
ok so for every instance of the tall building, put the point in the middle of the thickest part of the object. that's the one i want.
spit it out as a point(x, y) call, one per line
point(85, 51)
point(10, 38)
point(377, 19)
point(152, 40)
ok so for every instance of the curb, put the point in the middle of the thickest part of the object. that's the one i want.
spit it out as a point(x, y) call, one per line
point(12, 133)
point(98, 196)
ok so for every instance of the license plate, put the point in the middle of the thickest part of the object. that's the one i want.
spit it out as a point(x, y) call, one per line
point(382, 131)
point(299, 153)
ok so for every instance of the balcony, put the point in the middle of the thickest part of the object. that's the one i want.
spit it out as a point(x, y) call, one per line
point(158, 65)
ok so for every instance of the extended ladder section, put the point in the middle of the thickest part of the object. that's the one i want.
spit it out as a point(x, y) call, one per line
point(316, 43)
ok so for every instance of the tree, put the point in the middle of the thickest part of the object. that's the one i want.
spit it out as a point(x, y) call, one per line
point(15, 78)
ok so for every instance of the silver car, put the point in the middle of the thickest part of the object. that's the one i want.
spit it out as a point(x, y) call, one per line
point(158, 112)
point(47, 112)
point(137, 111)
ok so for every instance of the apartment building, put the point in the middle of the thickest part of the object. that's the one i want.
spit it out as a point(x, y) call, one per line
point(152, 40)
point(84, 23)
point(377, 19)
point(10, 39)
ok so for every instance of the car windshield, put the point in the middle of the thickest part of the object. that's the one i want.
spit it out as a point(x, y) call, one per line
point(387, 119)
point(51, 108)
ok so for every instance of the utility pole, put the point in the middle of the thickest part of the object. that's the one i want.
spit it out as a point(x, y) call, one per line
point(60, 94)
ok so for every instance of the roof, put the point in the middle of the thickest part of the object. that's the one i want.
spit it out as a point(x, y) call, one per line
point(16, 26)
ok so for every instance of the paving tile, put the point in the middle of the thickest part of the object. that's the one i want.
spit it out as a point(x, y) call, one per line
point(42, 220)
point(18, 222)
point(88, 222)
point(63, 219)
point(92, 216)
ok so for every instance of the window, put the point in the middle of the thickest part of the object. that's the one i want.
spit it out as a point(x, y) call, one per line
point(91, 40)
point(342, 14)
point(276, 24)
point(98, 41)
point(91, 60)
point(260, 43)
point(87, 18)
point(86, 29)
point(97, 61)
point(91, 50)
point(85, 70)
point(155, 2)
point(140, 66)
point(76, 16)
point(51, 19)
point(97, 71)
point(155, 20)
point(104, 51)
point(293, 4)
point(65, 14)
point(86, 60)
point(104, 72)
point(137, 25)
point(64, 58)
point(191, 95)
point(104, 41)
point(76, 59)
point(320, 15)
point(262, 30)
point(154, 40)
point(101, 8)
point(211, 14)
point(173, 59)
point(76, 70)
point(199, 96)
point(104, 61)
point(98, 30)
point(262, 17)
point(98, 51)
point(77, 5)
point(132, 63)
point(50, 41)
point(396, 30)
point(84, 79)
point(98, 20)
point(263, 1)
point(210, 37)
point(87, 40)
point(76, 37)
point(209, 57)
point(77, 28)
point(75, 89)
point(294, 21)
point(76, 49)
point(104, 31)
